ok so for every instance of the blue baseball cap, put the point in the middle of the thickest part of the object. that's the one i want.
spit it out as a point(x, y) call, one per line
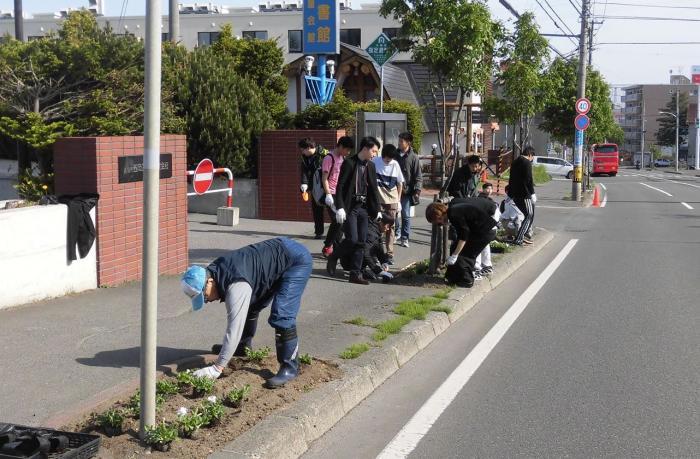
point(193, 281)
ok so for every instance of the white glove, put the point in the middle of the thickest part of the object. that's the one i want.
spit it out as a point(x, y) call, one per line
point(385, 267)
point(452, 259)
point(379, 216)
point(534, 198)
point(386, 276)
point(209, 372)
point(304, 187)
point(340, 216)
point(329, 200)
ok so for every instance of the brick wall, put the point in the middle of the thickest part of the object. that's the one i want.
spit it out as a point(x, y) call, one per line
point(90, 165)
point(279, 174)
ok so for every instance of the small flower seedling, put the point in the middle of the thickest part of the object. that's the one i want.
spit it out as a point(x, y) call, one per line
point(236, 397)
point(257, 356)
point(305, 359)
point(184, 379)
point(201, 386)
point(166, 387)
point(160, 436)
point(212, 412)
point(190, 423)
point(112, 421)
point(134, 405)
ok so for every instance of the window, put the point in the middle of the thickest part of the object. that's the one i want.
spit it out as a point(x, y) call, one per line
point(207, 38)
point(255, 34)
point(351, 36)
point(391, 32)
point(165, 36)
point(34, 37)
point(545, 161)
point(294, 41)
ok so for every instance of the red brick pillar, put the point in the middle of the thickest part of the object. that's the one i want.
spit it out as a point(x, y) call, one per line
point(91, 165)
point(279, 175)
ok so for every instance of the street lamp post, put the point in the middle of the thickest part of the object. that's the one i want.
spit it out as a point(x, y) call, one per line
point(677, 129)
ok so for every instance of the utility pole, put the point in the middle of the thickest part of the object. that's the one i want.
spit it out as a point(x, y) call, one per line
point(590, 44)
point(581, 93)
point(174, 22)
point(697, 130)
point(641, 142)
point(151, 173)
point(19, 21)
point(678, 93)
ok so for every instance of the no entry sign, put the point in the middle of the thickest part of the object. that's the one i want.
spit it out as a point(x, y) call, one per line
point(203, 176)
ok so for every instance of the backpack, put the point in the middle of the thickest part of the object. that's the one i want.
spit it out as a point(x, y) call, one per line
point(317, 191)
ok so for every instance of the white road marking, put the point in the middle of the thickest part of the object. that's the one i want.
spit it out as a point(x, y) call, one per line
point(654, 188)
point(407, 439)
point(687, 205)
point(605, 200)
point(603, 187)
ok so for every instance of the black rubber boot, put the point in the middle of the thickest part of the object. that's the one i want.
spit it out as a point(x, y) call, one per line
point(287, 345)
point(251, 325)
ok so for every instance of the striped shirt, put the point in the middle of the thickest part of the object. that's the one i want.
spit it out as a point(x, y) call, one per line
point(388, 178)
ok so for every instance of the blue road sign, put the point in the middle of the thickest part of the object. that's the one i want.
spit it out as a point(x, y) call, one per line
point(582, 122)
point(321, 33)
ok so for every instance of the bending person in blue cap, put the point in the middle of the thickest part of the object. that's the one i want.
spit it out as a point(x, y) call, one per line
point(269, 273)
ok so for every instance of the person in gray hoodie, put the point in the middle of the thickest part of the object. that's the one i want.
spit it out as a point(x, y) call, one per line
point(413, 184)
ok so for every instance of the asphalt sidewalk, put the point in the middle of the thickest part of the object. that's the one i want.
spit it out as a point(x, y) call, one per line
point(60, 352)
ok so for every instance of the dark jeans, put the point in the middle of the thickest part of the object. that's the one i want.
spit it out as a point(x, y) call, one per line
point(356, 234)
point(463, 270)
point(287, 301)
point(335, 231)
point(317, 211)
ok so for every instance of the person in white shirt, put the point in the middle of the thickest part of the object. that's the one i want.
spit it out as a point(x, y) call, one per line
point(390, 182)
point(511, 216)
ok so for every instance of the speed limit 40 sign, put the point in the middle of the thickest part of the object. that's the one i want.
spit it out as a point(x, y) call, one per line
point(583, 106)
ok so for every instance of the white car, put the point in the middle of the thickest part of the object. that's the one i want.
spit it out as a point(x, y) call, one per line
point(554, 166)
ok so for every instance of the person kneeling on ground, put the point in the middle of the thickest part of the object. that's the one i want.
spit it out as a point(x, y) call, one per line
point(511, 217)
point(375, 259)
point(473, 220)
point(269, 273)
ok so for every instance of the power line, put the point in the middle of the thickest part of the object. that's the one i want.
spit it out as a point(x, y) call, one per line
point(649, 43)
point(554, 21)
point(577, 8)
point(646, 5)
point(557, 15)
point(649, 18)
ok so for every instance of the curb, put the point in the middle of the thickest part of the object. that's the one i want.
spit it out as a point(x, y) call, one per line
point(288, 433)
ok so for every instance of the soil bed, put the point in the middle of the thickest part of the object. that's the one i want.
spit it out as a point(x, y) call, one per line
point(260, 403)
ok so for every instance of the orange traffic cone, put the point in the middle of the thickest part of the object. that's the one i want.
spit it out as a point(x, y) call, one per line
point(596, 197)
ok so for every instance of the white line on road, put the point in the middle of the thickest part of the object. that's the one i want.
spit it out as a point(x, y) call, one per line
point(603, 186)
point(687, 205)
point(605, 200)
point(407, 439)
point(654, 188)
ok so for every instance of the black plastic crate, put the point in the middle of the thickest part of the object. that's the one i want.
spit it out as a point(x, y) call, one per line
point(80, 445)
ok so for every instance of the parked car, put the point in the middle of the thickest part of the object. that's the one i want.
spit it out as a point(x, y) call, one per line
point(662, 162)
point(554, 166)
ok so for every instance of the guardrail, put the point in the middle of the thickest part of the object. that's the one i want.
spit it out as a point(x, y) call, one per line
point(229, 189)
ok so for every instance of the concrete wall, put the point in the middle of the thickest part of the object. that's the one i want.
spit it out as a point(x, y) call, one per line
point(245, 197)
point(33, 256)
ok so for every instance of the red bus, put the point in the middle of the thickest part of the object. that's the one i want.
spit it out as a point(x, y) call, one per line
point(605, 158)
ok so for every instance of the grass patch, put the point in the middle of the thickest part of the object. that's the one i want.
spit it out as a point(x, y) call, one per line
point(443, 294)
point(359, 321)
point(441, 308)
point(354, 351)
point(417, 308)
point(389, 327)
point(540, 175)
point(501, 247)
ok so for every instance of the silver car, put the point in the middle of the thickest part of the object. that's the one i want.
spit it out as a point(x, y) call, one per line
point(554, 166)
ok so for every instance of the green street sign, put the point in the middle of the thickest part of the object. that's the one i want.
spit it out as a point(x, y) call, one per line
point(381, 49)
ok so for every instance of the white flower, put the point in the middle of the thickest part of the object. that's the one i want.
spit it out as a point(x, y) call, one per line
point(181, 411)
point(212, 399)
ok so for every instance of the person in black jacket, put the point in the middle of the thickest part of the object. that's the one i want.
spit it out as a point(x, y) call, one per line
point(311, 157)
point(357, 200)
point(375, 259)
point(465, 179)
point(474, 220)
point(521, 189)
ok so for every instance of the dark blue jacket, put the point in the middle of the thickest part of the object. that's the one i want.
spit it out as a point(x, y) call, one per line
point(261, 265)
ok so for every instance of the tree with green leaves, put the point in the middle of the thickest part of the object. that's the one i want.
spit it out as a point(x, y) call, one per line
point(666, 135)
point(455, 40)
point(262, 62)
point(561, 81)
point(521, 92)
point(224, 111)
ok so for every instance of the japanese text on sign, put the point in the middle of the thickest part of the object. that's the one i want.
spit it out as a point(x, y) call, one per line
point(321, 28)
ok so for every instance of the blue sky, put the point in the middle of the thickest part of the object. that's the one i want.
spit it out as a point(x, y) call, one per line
point(620, 64)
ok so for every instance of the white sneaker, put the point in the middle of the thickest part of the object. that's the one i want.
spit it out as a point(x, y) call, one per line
point(477, 276)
